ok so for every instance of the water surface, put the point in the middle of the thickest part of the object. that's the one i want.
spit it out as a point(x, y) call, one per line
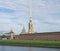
point(18, 48)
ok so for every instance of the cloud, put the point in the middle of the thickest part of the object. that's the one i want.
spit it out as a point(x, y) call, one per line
point(6, 10)
point(15, 14)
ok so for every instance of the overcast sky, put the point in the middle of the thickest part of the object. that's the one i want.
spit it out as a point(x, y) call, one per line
point(14, 14)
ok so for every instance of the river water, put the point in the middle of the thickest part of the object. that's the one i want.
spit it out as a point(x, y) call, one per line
point(18, 48)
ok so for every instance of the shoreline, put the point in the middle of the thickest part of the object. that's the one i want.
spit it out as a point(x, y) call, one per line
point(31, 43)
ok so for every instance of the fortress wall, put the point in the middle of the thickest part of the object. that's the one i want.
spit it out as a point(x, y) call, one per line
point(40, 36)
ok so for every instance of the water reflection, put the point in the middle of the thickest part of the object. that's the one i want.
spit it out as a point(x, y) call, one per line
point(30, 49)
point(14, 48)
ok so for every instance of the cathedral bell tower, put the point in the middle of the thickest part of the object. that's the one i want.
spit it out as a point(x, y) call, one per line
point(30, 28)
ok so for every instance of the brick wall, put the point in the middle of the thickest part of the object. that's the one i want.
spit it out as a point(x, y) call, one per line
point(39, 36)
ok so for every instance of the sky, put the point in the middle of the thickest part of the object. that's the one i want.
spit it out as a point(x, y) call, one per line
point(14, 14)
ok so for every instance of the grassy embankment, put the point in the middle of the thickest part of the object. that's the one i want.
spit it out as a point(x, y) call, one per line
point(33, 43)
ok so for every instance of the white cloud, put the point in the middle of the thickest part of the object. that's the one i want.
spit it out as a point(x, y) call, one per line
point(46, 13)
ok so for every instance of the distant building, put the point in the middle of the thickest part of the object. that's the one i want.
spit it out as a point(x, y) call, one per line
point(40, 36)
point(30, 27)
point(31, 35)
point(10, 35)
point(23, 30)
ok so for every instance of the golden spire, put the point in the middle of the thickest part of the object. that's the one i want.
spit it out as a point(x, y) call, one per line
point(30, 10)
point(30, 30)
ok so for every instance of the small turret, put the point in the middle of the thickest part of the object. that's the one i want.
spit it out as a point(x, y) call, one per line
point(11, 34)
point(23, 30)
